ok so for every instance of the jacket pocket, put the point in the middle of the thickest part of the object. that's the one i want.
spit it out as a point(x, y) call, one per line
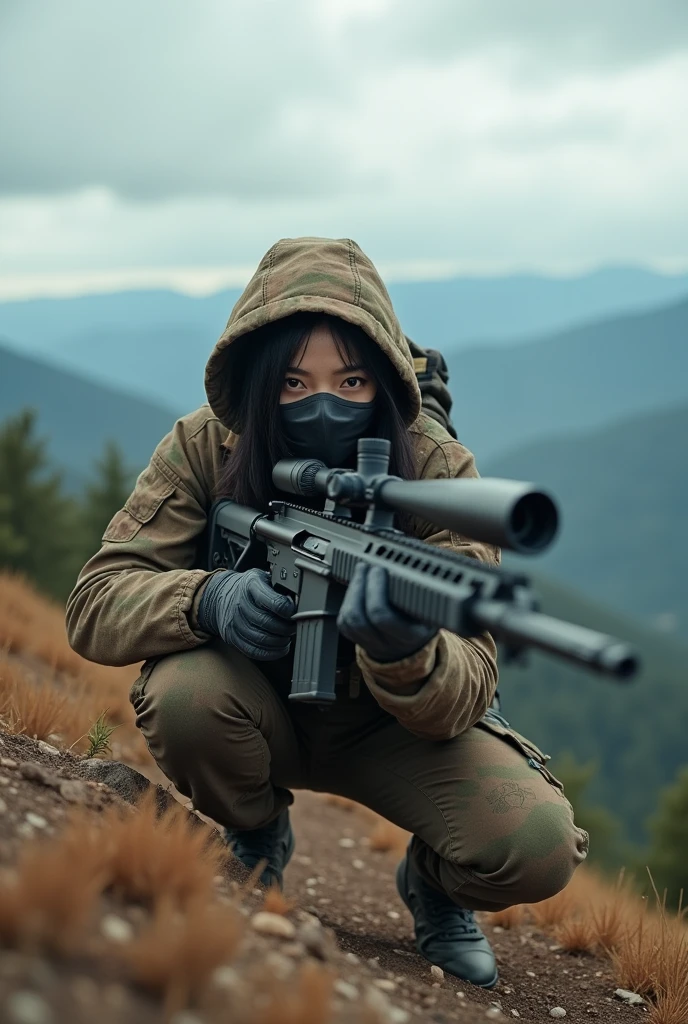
point(151, 490)
point(496, 724)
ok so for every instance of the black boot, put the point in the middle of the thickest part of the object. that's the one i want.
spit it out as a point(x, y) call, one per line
point(446, 934)
point(273, 842)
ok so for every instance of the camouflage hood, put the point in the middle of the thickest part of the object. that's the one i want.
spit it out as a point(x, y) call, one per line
point(316, 275)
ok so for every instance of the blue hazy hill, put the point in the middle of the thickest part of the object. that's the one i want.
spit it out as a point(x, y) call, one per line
point(578, 379)
point(155, 343)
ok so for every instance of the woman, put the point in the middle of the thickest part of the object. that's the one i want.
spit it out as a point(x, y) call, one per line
point(313, 358)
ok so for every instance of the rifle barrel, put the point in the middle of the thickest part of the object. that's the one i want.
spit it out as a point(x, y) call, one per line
point(584, 647)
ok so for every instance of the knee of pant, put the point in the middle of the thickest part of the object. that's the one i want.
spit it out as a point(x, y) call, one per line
point(546, 860)
point(179, 707)
point(536, 860)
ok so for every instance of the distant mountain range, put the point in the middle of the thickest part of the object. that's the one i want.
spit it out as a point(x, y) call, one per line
point(155, 343)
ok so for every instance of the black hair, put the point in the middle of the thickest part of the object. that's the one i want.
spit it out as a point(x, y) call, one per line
point(260, 363)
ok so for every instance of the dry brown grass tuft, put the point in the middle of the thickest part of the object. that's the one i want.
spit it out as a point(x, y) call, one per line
point(553, 911)
point(576, 934)
point(33, 628)
point(46, 903)
point(176, 953)
point(511, 917)
point(161, 857)
point(304, 1000)
point(609, 922)
point(276, 902)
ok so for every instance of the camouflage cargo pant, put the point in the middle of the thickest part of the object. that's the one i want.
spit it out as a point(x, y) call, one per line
point(490, 824)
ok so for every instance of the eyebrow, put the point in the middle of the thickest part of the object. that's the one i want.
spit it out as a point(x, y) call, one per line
point(307, 373)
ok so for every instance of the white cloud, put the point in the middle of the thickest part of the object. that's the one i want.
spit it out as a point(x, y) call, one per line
point(448, 134)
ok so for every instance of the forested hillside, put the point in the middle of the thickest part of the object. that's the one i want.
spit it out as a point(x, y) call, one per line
point(623, 492)
point(635, 732)
point(77, 416)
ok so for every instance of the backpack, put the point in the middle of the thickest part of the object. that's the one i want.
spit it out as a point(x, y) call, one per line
point(432, 373)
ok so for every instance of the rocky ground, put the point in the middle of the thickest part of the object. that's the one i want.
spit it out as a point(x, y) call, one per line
point(346, 924)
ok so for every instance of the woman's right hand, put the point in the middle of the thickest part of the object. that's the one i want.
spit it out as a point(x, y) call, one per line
point(244, 610)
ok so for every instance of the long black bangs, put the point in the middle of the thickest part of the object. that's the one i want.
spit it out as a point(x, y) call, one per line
point(260, 364)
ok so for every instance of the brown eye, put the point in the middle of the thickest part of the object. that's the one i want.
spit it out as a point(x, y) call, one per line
point(292, 382)
point(352, 382)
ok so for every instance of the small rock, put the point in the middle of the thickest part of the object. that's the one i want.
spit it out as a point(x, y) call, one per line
point(35, 772)
point(515, 1013)
point(347, 843)
point(377, 1001)
point(395, 1015)
point(4, 780)
point(460, 994)
point(28, 1008)
point(385, 984)
point(632, 998)
point(296, 950)
point(310, 891)
point(36, 820)
point(3, 806)
point(437, 972)
point(393, 914)
point(498, 929)
point(48, 749)
point(7, 762)
point(273, 924)
point(343, 988)
point(313, 938)
point(303, 859)
point(352, 958)
point(557, 1011)
point(493, 1013)
point(73, 790)
point(531, 974)
point(358, 864)
point(116, 929)
point(25, 830)
point(226, 977)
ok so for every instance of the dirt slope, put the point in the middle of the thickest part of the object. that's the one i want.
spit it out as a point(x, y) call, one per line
point(335, 875)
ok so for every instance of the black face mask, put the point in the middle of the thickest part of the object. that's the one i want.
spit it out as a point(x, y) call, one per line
point(325, 427)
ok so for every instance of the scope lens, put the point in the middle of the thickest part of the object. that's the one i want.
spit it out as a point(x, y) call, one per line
point(533, 523)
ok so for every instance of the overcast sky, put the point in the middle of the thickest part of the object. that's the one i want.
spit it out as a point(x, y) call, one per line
point(168, 141)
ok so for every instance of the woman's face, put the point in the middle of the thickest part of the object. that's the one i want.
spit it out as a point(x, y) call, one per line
point(318, 367)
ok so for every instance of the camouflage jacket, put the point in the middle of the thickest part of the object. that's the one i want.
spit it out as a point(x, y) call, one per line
point(137, 597)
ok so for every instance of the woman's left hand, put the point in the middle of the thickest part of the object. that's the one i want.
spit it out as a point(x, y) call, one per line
point(367, 618)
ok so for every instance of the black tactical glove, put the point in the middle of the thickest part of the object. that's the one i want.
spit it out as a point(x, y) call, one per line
point(243, 610)
point(367, 618)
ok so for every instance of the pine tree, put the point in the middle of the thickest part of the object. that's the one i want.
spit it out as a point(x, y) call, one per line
point(104, 496)
point(668, 856)
point(38, 523)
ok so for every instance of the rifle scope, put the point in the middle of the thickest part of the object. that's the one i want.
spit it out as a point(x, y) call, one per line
point(507, 513)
